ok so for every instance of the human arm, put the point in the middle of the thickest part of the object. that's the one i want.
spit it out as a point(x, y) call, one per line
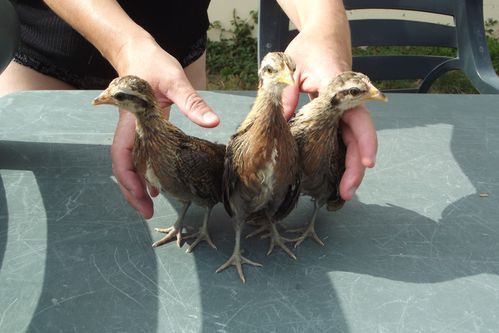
point(132, 50)
point(322, 50)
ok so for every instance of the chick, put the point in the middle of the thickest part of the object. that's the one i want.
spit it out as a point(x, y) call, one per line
point(261, 173)
point(322, 151)
point(188, 168)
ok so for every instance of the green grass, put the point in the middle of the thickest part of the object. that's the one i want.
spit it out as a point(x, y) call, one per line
point(232, 61)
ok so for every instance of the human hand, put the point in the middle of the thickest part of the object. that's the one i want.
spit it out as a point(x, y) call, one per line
point(147, 60)
point(317, 60)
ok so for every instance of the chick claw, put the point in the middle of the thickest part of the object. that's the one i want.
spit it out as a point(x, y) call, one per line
point(277, 239)
point(256, 223)
point(201, 235)
point(238, 260)
point(308, 231)
point(262, 228)
point(170, 232)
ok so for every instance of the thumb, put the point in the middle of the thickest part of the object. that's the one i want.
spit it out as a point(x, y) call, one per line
point(191, 104)
point(290, 97)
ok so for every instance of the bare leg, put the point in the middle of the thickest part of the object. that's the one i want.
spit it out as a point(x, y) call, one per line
point(237, 259)
point(17, 77)
point(277, 239)
point(196, 73)
point(309, 230)
point(175, 230)
point(202, 234)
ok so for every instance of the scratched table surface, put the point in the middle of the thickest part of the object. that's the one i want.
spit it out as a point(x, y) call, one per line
point(417, 250)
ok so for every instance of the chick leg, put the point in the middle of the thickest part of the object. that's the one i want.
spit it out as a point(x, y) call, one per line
point(263, 226)
point(175, 230)
point(256, 223)
point(237, 259)
point(202, 234)
point(277, 239)
point(309, 230)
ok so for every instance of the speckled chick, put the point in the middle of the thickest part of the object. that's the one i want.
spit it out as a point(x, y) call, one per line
point(321, 147)
point(188, 168)
point(261, 173)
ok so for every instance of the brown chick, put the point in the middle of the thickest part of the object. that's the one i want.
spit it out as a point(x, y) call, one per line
point(261, 173)
point(322, 151)
point(188, 168)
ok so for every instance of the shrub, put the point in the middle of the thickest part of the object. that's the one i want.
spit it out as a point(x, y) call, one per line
point(232, 61)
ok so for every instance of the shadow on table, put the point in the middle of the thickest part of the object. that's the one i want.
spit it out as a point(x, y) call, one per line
point(384, 241)
point(101, 274)
point(389, 242)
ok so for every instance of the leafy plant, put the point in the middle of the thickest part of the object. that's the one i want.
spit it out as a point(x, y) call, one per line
point(232, 61)
point(490, 24)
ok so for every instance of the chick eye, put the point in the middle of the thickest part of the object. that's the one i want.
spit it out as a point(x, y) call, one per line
point(268, 69)
point(354, 91)
point(119, 96)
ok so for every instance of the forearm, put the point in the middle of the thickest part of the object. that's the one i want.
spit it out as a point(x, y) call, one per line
point(103, 23)
point(327, 20)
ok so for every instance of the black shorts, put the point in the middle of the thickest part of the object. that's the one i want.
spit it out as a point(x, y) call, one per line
point(50, 46)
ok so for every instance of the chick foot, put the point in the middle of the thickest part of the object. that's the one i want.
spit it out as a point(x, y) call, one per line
point(174, 231)
point(171, 233)
point(202, 234)
point(237, 259)
point(256, 222)
point(258, 231)
point(277, 239)
point(308, 231)
point(263, 227)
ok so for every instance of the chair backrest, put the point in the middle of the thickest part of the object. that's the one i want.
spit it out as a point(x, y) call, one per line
point(467, 36)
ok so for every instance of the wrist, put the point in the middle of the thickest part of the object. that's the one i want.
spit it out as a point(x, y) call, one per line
point(335, 46)
point(126, 55)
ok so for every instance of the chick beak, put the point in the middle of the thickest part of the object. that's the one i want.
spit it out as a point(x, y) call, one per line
point(375, 94)
point(103, 98)
point(286, 77)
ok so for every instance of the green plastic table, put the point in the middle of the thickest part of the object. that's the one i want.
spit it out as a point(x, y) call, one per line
point(417, 250)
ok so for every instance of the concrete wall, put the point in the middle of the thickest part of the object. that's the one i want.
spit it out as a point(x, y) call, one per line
point(221, 10)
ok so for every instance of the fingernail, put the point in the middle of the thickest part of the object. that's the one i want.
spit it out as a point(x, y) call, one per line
point(210, 118)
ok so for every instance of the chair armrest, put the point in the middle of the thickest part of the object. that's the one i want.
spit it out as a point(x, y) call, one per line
point(473, 50)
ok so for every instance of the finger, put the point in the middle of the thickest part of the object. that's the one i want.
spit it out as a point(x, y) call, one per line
point(143, 205)
point(191, 104)
point(290, 97)
point(132, 188)
point(360, 122)
point(354, 170)
point(130, 182)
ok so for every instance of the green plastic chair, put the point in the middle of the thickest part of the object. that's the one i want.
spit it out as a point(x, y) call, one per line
point(467, 36)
